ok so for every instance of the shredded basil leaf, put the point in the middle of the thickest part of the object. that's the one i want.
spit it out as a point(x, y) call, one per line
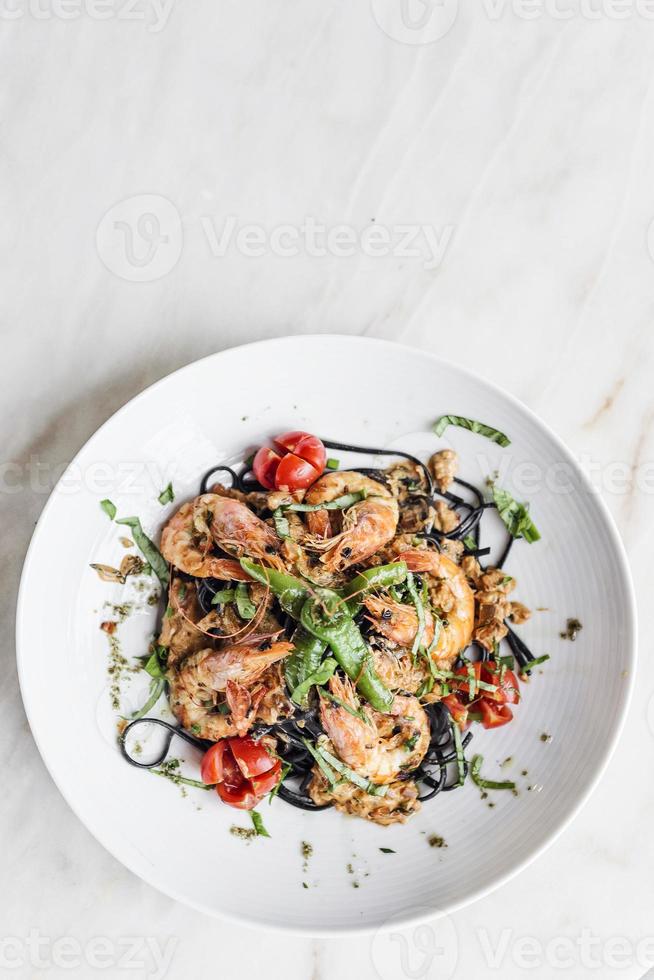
point(257, 823)
point(148, 549)
point(420, 611)
point(246, 608)
point(108, 508)
point(320, 762)
point(387, 850)
point(286, 768)
point(355, 712)
point(341, 503)
point(353, 777)
point(441, 424)
point(155, 662)
point(167, 495)
point(182, 780)
point(475, 767)
point(157, 685)
point(515, 516)
point(534, 663)
point(460, 758)
point(281, 523)
point(223, 596)
point(318, 677)
point(470, 542)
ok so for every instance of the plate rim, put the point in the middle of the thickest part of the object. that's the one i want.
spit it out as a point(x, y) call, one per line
point(405, 918)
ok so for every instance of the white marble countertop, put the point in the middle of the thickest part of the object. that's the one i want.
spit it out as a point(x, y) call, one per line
point(507, 169)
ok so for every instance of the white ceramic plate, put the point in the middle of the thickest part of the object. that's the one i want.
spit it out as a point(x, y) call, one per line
point(359, 391)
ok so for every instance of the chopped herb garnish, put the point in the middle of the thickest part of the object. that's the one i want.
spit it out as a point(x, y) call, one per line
point(148, 549)
point(318, 677)
point(527, 669)
point(470, 542)
point(332, 464)
point(157, 685)
point(286, 768)
point(349, 774)
point(108, 508)
point(167, 495)
point(341, 503)
point(257, 823)
point(476, 777)
point(281, 523)
point(154, 663)
point(571, 630)
point(441, 424)
point(515, 516)
point(387, 850)
point(356, 712)
point(246, 608)
point(223, 596)
point(460, 758)
point(420, 611)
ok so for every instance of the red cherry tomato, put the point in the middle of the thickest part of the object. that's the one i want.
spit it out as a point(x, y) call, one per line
point(240, 797)
point(304, 445)
point(506, 682)
point(264, 466)
point(212, 769)
point(457, 709)
point(266, 781)
point(294, 473)
point(250, 756)
point(243, 771)
point(494, 715)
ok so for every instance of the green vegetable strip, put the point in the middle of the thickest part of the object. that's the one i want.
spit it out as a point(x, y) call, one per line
point(319, 677)
point(441, 424)
point(341, 503)
point(257, 823)
point(515, 516)
point(182, 780)
point(351, 775)
point(320, 762)
point(148, 549)
point(246, 608)
point(157, 685)
point(534, 663)
point(224, 596)
point(420, 611)
point(291, 592)
point(304, 660)
point(281, 523)
point(350, 650)
point(475, 767)
point(355, 712)
point(380, 577)
point(109, 508)
point(460, 758)
point(332, 464)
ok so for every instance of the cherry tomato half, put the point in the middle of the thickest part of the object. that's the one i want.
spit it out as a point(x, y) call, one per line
point(493, 715)
point(457, 709)
point(250, 756)
point(504, 680)
point(304, 445)
point(211, 768)
point(264, 466)
point(243, 771)
point(294, 473)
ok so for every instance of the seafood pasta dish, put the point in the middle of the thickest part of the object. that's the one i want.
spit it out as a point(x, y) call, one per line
point(333, 636)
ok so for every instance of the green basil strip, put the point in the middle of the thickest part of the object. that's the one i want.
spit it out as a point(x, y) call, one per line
point(353, 777)
point(157, 685)
point(320, 762)
point(108, 508)
point(148, 549)
point(441, 424)
point(341, 503)
point(460, 758)
point(182, 780)
point(475, 775)
point(282, 527)
point(167, 495)
point(319, 677)
point(534, 663)
point(420, 611)
point(257, 823)
point(246, 608)
point(223, 596)
point(515, 516)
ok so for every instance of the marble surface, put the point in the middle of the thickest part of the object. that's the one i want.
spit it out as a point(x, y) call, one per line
point(166, 170)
